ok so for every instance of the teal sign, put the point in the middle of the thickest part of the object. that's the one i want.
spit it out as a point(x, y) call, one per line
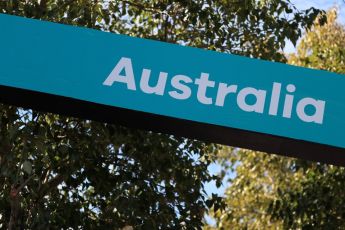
point(173, 81)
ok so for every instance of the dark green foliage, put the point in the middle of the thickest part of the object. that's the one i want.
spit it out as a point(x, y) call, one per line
point(80, 173)
point(248, 27)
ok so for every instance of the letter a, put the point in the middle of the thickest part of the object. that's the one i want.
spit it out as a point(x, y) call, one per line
point(259, 105)
point(128, 78)
point(319, 107)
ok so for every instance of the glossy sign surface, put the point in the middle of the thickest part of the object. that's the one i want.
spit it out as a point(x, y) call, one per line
point(173, 81)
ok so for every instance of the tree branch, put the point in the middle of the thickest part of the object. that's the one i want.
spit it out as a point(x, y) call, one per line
point(48, 186)
point(143, 7)
point(15, 203)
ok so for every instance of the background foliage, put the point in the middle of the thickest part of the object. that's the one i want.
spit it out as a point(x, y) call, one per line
point(60, 172)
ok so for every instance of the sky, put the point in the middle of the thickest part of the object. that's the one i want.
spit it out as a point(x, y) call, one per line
point(319, 4)
point(322, 4)
point(300, 5)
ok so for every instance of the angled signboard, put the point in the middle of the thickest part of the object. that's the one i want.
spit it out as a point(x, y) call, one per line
point(168, 88)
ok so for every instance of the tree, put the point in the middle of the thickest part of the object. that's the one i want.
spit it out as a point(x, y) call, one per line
point(323, 47)
point(259, 177)
point(318, 200)
point(61, 172)
point(274, 192)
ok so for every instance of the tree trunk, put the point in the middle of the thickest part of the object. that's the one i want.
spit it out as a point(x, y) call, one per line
point(15, 205)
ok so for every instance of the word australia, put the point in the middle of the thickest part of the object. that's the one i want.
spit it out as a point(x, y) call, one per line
point(248, 99)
